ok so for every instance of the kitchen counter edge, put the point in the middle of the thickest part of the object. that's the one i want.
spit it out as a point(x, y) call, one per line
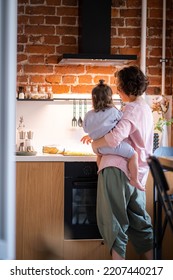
point(55, 157)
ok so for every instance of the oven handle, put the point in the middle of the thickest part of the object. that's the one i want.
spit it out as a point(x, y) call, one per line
point(84, 183)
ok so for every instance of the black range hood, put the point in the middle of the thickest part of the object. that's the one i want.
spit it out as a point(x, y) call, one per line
point(95, 36)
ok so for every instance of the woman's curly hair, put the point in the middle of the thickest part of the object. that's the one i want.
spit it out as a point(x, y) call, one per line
point(131, 80)
point(102, 96)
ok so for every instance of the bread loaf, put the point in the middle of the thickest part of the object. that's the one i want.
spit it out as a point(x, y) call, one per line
point(51, 150)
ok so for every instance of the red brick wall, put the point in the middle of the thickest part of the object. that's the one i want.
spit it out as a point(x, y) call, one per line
point(48, 28)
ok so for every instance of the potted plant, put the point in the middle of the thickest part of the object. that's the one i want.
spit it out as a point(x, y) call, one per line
point(161, 123)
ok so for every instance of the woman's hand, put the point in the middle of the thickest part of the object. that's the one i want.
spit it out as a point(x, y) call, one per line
point(86, 139)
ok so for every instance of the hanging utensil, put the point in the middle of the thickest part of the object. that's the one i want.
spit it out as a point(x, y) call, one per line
point(80, 121)
point(85, 107)
point(74, 120)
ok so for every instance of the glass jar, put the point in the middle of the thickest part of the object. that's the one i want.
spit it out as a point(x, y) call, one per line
point(28, 92)
point(21, 94)
point(34, 94)
point(49, 92)
point(42, 93)
point(35, 89)
point(42, 90)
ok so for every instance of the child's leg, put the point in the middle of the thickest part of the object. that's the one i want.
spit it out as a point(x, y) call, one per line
point(133, 168)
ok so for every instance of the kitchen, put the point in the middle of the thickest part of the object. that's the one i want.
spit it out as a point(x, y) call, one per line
point(45, 33)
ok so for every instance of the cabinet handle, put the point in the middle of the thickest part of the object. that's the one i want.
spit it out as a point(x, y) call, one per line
point(84, 183)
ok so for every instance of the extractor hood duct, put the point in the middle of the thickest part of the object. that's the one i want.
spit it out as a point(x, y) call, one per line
point(95, 36)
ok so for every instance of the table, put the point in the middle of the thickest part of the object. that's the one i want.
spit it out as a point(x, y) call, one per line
point(166, 162)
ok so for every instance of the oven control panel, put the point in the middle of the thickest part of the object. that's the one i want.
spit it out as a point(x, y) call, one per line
point(80, 169)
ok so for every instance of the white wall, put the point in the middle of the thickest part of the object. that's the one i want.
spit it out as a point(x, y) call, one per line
point(51, 122)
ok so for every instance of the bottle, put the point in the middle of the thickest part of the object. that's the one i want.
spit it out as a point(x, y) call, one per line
point(49, 92)
point(21, 94)
point(28, 92)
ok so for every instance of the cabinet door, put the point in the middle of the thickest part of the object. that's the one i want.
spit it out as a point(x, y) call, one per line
point(85, 250)
point(39, 210)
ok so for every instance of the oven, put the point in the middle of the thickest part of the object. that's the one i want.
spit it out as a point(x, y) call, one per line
point(80, 201)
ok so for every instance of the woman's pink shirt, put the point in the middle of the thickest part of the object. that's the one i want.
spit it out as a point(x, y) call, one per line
point(136, 126)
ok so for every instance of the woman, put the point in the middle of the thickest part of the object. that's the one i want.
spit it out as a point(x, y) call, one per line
point(121, 208)
point(103, 118)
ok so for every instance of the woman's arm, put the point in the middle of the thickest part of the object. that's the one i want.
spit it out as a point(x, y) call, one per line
point(114, 138)
point(86, 139)
point(101, 142)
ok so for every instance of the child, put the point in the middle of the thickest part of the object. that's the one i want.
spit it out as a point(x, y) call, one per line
point(101, 120)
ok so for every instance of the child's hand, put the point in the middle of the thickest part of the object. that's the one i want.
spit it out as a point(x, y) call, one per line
point(86, 139)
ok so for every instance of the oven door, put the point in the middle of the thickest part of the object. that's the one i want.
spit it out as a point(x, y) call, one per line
point(80, 209)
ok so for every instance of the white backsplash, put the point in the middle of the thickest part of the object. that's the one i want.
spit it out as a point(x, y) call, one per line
point(51, 122)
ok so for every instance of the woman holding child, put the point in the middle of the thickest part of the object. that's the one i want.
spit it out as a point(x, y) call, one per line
point(121, 208)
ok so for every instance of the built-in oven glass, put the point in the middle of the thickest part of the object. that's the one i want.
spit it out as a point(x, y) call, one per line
point(80, 201)
point(83, 206)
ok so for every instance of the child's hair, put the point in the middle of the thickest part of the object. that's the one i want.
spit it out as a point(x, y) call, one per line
point(102, 96)
point(131, 80)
